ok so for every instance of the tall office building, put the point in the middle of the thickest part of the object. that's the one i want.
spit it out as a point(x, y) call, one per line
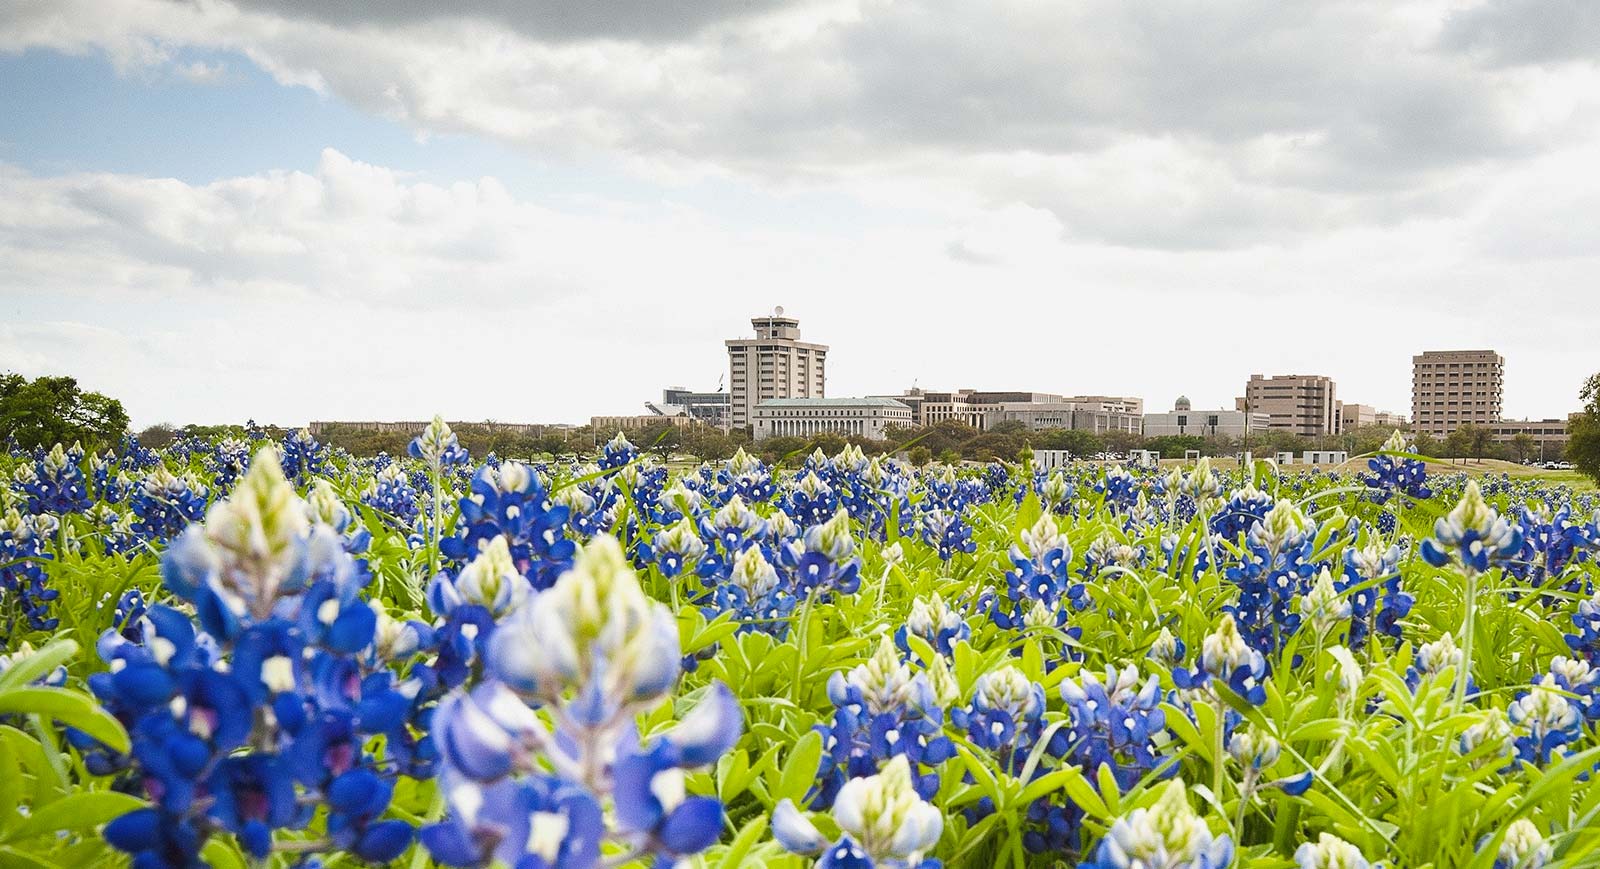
point(1451, 388)
point(1302, 404)
point(773, 364)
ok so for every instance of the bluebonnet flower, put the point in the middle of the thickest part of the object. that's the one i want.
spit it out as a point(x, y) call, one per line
point(827, 561)
point(881, 711)
point(1329, 852)
point(1551, 543)
point(228, 461)
point(1545, 721)
point(1247, 507)
point(1586, 641)
point(54, 482)
point(1434, 659)
point(1120, 488)
point(23, 583)
point(746, 477)
point(1473, 536)
point(514, 503)
point(1006, 716)
point(678, 548)
point(438, 447)
point(595, 651)
point(136, 457)
point(323, 507)
point(1581, 680)
point(303, 457)
point(111, 483)
point(948, 532)
point(1226, 658)
point(1323, 607)
point(617, 453)
point(934, 621)
point(1039, 574)
point(1275, 569)
point(811, 501)
point(164, 505)
point(1523, 847)
point(1115, 722)
point(246, 724)
point(1056, 494)
point(393, 496)
point(1394, 473)
point(1167, 835)
point(882, 819)
point(1372, 585)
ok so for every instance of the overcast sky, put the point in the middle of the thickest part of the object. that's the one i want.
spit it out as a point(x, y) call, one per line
point(538, 211)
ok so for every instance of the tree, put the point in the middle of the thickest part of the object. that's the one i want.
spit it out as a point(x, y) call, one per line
point(920, 455)
point(1523, 446)
point(1468, 441)
point(52, 410)
point(1583, 443)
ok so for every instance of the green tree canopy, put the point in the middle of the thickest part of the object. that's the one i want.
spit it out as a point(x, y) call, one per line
point(51, 410)
point(1583, 446)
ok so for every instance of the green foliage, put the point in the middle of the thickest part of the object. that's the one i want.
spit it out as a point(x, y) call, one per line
point(51, 410)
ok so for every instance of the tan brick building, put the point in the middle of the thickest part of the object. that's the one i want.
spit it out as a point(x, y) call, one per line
point(1450, 388)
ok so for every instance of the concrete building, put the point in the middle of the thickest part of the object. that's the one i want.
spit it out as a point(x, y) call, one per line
point(322, 427)
point(1184, 420)
point(773, 365)
point(710, 408)
point(634, 422)
point(1354, 416)
point(1108, 403)
point(1450, 388)
point(1061, 414)
point(1550, 436)
point(801, 417)
point(1037, 410)
point(1302, 404)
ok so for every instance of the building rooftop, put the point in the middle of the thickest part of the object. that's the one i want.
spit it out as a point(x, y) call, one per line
point(831, 402)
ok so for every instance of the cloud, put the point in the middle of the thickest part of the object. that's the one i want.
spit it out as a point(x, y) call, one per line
point(1518, 32)
point(1153, 124)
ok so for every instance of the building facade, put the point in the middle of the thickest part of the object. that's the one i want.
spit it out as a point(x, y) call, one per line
point(802, 417)
point(1354, 416)
point(711, 408)
point(1037, 410)
point(1108, 403)
point(1451, 388)
point(634, 422)
point(775, 364)
point(1038, 416)
point(1184, 420)
point(1302, 404)
point(1550, 436)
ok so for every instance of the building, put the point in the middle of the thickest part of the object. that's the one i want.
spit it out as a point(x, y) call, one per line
point(1108, 403)
point(1450, 388)
point(1354, 416)
point(634, 422)
point(322, 427)
point(773, 365)
point(1302, 404)
point(710, 408)
point(1184, 420)
point(1550, 436)
point(1037, 410)
point(802, 417)
point(1038, 416)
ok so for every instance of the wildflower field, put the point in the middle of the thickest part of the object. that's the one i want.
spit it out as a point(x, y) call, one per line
point(258, 653)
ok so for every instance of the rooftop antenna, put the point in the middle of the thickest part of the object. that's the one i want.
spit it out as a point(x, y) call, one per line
point(778, 311)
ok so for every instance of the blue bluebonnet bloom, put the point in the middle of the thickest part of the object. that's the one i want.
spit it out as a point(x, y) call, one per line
point(617, 453)
point(393, 496)
point(1039, 574)
point(1118, 722)
point(23, 583)
point(1276, 567)
point(1551, 543)
point(164, 504)
point(810, 500)
point(1120, 488)
point(948, 532)
point(1393, 473)
point(111, 483)
point(1371, 583)
point(1006, 716)
point(1586, 621)
point(746, 477)
point(1168, 835)
point(934, 621)
point(1434, 659)
point(514, 503)
point(228, 460)
point(437, 447)
point(881, 711)
point(1545, 721)
point(1244, 509)
point(882, 819)
point(1473, 536)
point(302, 456)
point(1226, 658)
point(243, 725)
point(594, 651)
point(54, 482)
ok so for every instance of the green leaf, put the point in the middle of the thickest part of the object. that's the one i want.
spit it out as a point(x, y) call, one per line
point(38, 664)
point(801, 769)
point(68, 707)
point(80, 812)
point(742, 843)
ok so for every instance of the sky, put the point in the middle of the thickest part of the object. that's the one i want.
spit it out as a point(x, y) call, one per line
point(540, 210)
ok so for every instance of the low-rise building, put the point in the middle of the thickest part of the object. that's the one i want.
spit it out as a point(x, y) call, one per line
point(634, 422)
point(1183, 419)
point(1302, 404)
point(982, 409)
point(1062, 415)
point(1354, 416)
point(1550, 436)
point(802, 417)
